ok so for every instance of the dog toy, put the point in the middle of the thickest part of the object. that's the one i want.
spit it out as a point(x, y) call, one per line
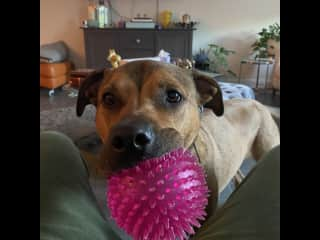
point(114, 58)
point(160, 198)
point(184, 63)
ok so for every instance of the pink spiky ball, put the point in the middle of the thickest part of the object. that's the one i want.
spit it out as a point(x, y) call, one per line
point(160, 198)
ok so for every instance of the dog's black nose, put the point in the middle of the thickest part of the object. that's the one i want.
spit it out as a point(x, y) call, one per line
point(130, 135)
point(141, 139)
point(130, 140)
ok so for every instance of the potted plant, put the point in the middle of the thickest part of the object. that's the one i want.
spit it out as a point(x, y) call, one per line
point(218, 59)
point(201, 60)
point(260, 47)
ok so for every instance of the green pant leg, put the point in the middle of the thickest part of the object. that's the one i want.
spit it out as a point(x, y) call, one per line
point(253, 211)
point(68, 208)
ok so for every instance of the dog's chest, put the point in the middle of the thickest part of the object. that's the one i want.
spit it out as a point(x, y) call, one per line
point(219, 150)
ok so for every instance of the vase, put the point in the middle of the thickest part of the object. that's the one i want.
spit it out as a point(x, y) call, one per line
point(165, 18)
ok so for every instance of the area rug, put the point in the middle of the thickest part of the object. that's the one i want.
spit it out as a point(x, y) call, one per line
point(80, 129)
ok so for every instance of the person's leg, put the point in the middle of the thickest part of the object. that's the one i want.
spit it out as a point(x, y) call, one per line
point(253, 211)
point(68, 208)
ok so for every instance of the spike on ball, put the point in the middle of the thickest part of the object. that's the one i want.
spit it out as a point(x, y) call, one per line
point(160, 198)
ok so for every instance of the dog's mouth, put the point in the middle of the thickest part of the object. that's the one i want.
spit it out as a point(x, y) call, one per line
point(174, 154)
point(167, 141)
point(151, 157)
point(119, 163)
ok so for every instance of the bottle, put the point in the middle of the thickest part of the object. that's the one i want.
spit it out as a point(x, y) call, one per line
point(107, 18)
point(103, 15)
point(100, 9)
point(91, 11)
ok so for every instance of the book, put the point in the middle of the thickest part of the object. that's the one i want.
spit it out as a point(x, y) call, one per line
point(141, 20)
point(147, 25)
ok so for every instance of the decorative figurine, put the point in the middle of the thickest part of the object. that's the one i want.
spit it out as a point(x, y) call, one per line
point(114, 58)
point(184, 63)
point(186, 19)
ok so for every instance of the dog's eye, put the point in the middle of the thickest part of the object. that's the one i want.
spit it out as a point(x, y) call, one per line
point(173, 96)
point(109, 99)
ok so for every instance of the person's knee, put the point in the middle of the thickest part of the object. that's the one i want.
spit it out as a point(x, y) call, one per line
point(56, 144)
point(275, 152)
point(53, 137)
point(272, 159)
point(58, 152)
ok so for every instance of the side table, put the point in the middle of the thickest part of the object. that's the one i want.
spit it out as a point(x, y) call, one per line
point(258, 61)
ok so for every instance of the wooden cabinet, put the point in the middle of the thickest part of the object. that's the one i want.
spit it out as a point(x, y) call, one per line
point(135, 43)
point(97, 44)
point(179, 44)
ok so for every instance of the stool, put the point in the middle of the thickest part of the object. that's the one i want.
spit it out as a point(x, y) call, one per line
point(54, 75)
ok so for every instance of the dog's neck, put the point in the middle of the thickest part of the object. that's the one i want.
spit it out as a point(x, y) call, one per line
point(192, 147)
point(211, 179)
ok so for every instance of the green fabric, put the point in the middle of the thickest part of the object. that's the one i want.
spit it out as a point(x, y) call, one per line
point(68, 209)
point(253, 211)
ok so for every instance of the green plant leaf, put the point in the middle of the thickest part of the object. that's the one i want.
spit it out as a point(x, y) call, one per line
point(217, 55)
point(232, 73)
point(213, 45)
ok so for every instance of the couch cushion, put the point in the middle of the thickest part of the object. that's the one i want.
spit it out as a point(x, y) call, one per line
point(54, 52)
point(235, 90)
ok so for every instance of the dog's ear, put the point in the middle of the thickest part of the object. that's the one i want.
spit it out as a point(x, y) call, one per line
point(209, 91)
point(89, 90)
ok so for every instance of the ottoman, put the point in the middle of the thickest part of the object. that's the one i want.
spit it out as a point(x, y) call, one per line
point(54, 75)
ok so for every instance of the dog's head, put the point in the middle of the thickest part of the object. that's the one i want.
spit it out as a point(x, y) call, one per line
point(147, 108)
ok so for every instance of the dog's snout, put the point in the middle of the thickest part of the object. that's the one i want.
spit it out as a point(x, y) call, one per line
point(132, 135)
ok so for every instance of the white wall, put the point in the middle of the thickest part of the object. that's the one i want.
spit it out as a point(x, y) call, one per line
point(230, 23)
point(61, 20)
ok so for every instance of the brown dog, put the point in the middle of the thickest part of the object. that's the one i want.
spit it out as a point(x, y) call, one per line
point(147, 108)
